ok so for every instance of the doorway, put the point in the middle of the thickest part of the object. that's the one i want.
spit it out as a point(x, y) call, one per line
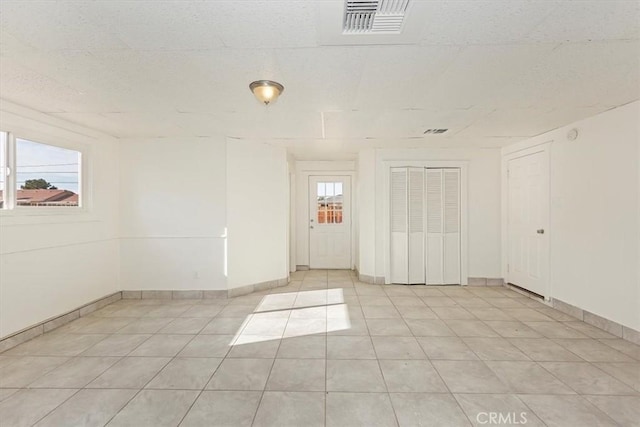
point(330, 222)
point(527, 222)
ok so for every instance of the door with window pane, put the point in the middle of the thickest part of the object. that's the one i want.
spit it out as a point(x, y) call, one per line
point(330, 222)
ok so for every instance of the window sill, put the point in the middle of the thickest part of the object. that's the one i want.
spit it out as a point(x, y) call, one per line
point(26, 216)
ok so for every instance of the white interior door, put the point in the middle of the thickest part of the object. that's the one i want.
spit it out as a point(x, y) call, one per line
point(399, 226)
point(416, 222)
point(528, 219)
point(451, 227)
point(435, 235)
point(425, 245)
point(443, 226)
point(330, 222)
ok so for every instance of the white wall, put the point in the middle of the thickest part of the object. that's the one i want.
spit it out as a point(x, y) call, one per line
point(595, 214)
point(257, 212)
point(291, 249)
point(173, 214)
point(366, 212)
point(50, 264)
point(483, 206)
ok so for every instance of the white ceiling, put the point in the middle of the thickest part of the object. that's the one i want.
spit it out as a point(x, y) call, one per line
point(493, 72)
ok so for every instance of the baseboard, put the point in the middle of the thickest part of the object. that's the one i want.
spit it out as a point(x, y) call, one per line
point(229, 293)
point(174, 294)
point(379, 280)
point(485, 281)
point(472, 281)
point(55, 322)
point(257, 287)
point(50, 324)
point(614, 328)
point(302, 268)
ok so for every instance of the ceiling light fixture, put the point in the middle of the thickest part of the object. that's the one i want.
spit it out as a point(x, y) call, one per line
point(266, 91)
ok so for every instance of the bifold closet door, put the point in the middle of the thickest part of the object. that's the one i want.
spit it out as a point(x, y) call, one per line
point(425, 226)
point(399, 244)
point(443, 226)
point(407, 226)
point(416, 226)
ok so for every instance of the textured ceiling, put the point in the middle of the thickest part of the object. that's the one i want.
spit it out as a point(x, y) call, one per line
point(493, 72)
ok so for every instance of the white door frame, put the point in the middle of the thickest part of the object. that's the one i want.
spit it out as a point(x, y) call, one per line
point(544, 148)
point(306, 175)
point(386, 194)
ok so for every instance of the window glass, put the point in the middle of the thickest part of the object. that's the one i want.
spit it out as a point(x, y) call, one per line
point(46, 175)
point(329, 203)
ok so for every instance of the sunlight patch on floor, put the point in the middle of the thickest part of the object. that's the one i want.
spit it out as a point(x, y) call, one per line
point(294, 314)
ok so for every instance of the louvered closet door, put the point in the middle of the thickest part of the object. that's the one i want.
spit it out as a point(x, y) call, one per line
point(451, 265)
point(443, 226)
point(399, 227)
point(435, 236)
point(416, 226)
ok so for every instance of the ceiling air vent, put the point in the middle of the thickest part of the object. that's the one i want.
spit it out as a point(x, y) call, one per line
point(374, 16)
point(434, 131)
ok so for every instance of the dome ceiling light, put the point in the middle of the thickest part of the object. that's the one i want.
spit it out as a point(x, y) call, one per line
point(266, 91)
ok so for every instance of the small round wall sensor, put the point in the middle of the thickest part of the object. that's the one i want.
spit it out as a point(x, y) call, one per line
point(572, 135)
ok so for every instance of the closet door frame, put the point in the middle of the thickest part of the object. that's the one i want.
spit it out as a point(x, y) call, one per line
point(463, 166)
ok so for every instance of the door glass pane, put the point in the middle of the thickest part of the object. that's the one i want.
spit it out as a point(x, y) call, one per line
point(322, 209)
point(321, 203)
point(338, 215)
point(329, 188)
point(329, 199)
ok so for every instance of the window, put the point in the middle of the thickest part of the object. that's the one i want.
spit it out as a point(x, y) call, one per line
point(35, 174)
point(329, 202)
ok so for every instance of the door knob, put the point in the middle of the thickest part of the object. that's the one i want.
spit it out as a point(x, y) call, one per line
point(311, 226)
point(540, 231)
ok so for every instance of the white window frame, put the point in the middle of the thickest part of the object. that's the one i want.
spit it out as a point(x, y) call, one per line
point(11, 209)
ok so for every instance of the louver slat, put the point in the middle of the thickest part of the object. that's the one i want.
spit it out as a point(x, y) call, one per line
point(434, 201)
point(451, 201)
point(399, 201)
point(416, 200)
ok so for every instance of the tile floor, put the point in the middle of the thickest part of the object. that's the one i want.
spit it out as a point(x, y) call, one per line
point(325, 351)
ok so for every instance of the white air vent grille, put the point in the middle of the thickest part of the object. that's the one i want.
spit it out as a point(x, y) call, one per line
point(374, 16)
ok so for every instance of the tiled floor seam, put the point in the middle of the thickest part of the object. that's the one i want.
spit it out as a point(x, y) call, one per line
point(59, 405)
point(264, 389)
point(202, 391)
point(148, 382)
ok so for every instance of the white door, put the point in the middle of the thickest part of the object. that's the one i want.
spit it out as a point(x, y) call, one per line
point(425, 226)
point(330, 222)
point(443, 226)
point(399, 250)
point(528, 219)
point(416, 243)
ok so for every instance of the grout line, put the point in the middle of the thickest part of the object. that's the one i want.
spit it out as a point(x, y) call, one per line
point(271, 370)
point(61, 403)
point(204, 387)
point(357, 298)
point(147, 383)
